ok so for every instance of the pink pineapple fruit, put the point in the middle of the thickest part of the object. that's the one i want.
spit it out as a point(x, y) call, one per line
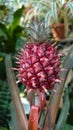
point(39, 63)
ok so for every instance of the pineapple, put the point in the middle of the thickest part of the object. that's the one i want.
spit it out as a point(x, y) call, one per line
point(38, 61)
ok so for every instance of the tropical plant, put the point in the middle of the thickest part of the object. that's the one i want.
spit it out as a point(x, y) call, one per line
point(38, 66)
point(9, 34)
point(60, 12)
point(53, 103)
point(54, 12)
point(10, 37)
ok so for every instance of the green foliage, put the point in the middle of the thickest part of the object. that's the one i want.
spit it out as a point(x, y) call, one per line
point(5, 99)
point(2, 68)
point(9, 34)
point(3, 128)
point(17, 17)
point(4, 13)
point(68, 127)
point(53, 11)
point(60, 10)
point(10, 37)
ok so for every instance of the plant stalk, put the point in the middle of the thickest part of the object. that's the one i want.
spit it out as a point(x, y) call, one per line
point(21, 117)
point(64, 112)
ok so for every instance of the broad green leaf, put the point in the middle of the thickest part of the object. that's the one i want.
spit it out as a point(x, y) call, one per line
point(4, 30)
point(17, 17)
point(17, 32)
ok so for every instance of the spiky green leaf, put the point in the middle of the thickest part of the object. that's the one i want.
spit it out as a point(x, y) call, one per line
point(70, 5)
point(54, 12)
point(48, 18)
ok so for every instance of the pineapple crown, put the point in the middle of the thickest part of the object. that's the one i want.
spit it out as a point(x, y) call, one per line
point(38, 32)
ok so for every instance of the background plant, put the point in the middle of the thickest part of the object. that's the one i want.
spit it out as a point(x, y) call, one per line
point(11, 35)
point(5, 99)
point(54, 12)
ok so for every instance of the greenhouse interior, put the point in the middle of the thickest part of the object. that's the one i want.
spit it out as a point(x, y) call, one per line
point(36, 64)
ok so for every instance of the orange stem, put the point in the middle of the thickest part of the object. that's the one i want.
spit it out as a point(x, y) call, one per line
point(33, 118)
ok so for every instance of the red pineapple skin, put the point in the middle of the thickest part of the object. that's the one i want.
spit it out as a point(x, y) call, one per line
point(39, 66)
